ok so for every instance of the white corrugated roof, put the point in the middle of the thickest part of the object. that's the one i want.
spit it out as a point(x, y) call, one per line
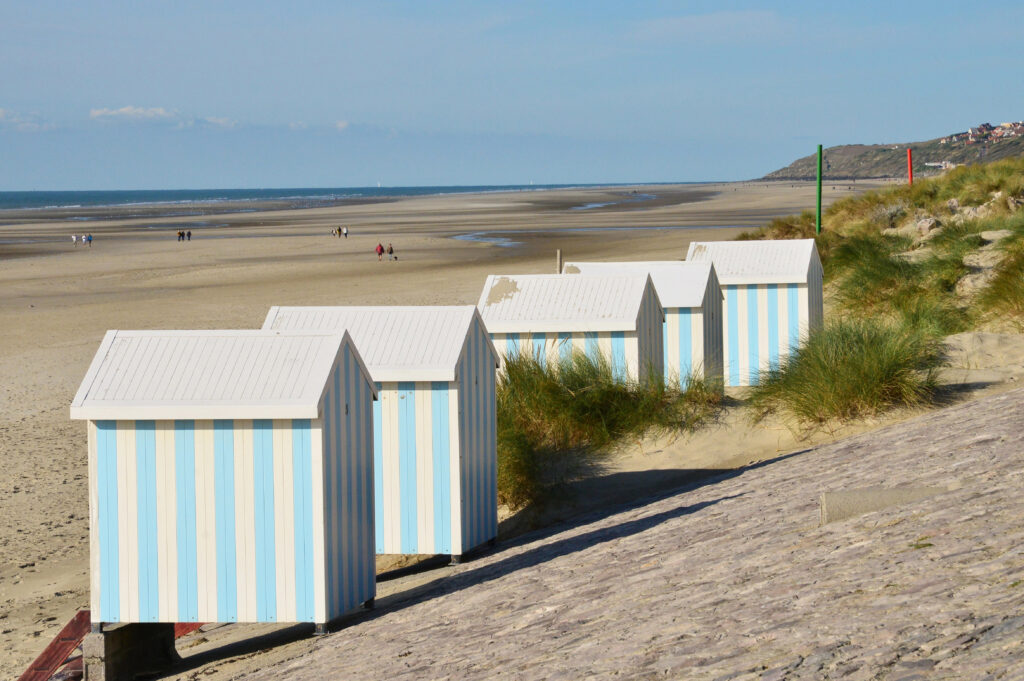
point(397, 343)
point(678, 283)
point(541, 303)
point(781, 261)
point(208, 375)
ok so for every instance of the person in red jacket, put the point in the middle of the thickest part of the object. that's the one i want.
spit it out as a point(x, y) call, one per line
point(380, 252)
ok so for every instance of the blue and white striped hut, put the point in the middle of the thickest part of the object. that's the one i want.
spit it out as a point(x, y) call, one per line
point(773, 299)
point(692, 304)
point(230, 476)
point(435, 448)
point(551, 315)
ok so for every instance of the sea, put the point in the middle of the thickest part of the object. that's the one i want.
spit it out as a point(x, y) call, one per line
point(293, 197)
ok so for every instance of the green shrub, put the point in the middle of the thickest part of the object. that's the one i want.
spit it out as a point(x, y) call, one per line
point(555, 421)
point(852, 368)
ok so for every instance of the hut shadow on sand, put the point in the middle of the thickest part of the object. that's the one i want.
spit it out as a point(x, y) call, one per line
point(444, 583)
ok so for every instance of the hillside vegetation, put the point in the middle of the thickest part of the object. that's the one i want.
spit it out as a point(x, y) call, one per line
point(904, 267)
point(859, 161)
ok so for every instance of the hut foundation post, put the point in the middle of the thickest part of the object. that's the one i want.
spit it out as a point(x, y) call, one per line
point(124, 651)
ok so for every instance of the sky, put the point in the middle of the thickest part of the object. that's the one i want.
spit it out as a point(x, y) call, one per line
point(223, 93)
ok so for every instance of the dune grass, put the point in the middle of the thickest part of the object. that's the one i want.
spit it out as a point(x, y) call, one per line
point(895, 290)
point(1003, 298)
point(852, 368)
point(557, 420)
point(872, 277)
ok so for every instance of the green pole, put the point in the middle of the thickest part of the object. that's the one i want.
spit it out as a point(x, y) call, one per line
point(817, 223)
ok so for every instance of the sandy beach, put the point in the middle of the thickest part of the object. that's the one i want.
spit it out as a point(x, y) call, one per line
point(58, 300)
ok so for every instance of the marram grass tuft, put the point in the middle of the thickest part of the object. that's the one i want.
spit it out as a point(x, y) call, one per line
point(852, 368)
point(557, 420)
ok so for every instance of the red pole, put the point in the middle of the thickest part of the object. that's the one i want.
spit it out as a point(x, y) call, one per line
point(910, 167)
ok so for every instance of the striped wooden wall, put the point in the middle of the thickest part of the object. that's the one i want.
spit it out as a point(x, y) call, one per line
point(424, 432)
point(650, 355)
point(548, 347)
point(348, 476)
point(625, 351)
point(683, 340)
point(230, 520)
point(815, 295)
point(478, 437)
point(693, 343)
point(714, 344)
point(414, 473)
point(761, 325)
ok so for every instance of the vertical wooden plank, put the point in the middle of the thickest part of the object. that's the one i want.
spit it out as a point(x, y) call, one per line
point(743, 342)
point(634, 355)
point(698, 354)
point(604, 346)
point(426, 541)
point(392, 491)
point(763, 331)
point(206, 524)
point(245, 522)
point(455, 467)
point(284, 522)
point(784, 335)
point(319, 528)
point(94, 520)
point(804, 308)
point(127, 521)
point(347, 487)
point(167, 528)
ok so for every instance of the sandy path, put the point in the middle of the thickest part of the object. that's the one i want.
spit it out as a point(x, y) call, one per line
point(730, 577)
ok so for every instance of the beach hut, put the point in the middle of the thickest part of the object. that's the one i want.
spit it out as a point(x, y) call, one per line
point(691, 301)
point(551, 315)
point(773, 299)
point(230, 476)
point(435, 466)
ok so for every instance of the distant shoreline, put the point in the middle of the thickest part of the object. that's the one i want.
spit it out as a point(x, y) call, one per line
point(106, 205)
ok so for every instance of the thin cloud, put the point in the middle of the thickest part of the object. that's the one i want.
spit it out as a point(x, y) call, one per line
point(10, 120)
point(134, 113)
point(718, 27)
point(341, 125)
point(297, 125)
point(219, 122)
point(160, 115)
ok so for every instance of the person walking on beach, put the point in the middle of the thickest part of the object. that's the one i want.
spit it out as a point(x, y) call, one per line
point(189, 234)
point(74, 239)
point(89, 239)
point(380, 252)
point(391, 251)
point(344, 231)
